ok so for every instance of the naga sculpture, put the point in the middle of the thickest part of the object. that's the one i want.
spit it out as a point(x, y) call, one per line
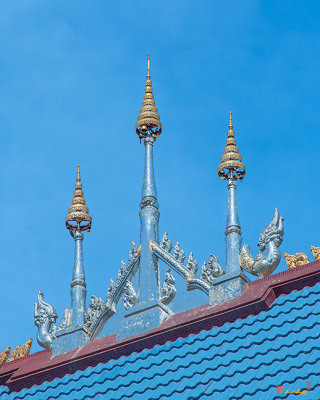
point(270, 239)
point(44, 316)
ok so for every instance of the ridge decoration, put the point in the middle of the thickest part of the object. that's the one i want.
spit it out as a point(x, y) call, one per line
point(296, 260)
point(270, 240)
point(129, 295)
point(168, 289)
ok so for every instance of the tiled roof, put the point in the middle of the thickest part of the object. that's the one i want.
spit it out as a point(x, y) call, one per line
point(245, 359)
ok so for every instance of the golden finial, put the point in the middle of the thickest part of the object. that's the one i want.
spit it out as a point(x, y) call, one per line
point(231, 161)
point(4, 355)
point(315, 252)
point(78, 213)
point(148, 119)
point(20, 351)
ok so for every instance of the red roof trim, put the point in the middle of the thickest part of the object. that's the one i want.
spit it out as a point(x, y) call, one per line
point(259, 296)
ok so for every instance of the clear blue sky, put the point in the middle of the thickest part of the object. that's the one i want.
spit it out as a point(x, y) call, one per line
point(71, 86)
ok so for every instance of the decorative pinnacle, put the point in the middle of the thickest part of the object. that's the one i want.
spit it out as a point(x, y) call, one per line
point(78, 213)
point(231, 161)
point(148, 119)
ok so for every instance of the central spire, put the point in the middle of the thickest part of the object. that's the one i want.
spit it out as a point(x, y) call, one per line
point(232, 169)
point(149, 128)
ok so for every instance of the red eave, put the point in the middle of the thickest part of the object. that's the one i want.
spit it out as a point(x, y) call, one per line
point(259, 296)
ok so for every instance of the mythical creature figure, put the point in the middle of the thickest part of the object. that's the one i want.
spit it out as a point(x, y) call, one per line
point(270, 239)
point(192, 264)
point(168, 289)
point(130, 296)
point(44, 316)
point(166, 242)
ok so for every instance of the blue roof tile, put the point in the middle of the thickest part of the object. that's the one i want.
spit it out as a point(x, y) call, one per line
point(247, 359)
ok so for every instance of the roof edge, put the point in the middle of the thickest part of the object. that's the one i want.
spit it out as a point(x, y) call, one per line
point(259, 296)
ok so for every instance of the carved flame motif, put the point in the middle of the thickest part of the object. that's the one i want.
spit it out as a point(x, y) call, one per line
point(212, 271)
point(20, 351)
point(296, 260)
point(315, 252)
point(95, 309)
point(192, 264)
point(178, 253)
point(4, 355)
point(168, 289)
point(166, 242)
point(129, 295)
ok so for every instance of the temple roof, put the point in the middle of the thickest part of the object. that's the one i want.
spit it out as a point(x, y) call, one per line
point(257, 345)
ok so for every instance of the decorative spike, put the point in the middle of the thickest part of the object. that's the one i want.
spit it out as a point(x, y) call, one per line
point(315, 252)
point(148, 119)
point(231, 162)
point(166, 242)
point(78, 213)
point(296, 260)
point(20, 351)
point(4, 355)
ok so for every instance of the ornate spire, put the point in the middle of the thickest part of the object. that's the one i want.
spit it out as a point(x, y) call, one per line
point(78, 213)
point(231, 161)
point(148, 119)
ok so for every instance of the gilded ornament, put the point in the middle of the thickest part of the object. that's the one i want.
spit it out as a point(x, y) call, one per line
point(4, 355)
point(148, 119)
point(296, 260)
point(315, 252)
point(231, 162)
point(78, 214)
point(20, 351)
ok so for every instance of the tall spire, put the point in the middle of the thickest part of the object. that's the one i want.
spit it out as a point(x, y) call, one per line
point(149, 127)
point(77, 221)
point(148, 119)
point(232, 169)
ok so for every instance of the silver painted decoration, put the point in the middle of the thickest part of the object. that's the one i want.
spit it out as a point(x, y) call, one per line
point(123, 272)
point(178, 253)
point(66, 320)
point(168, 289)
point(130, 296)
point(166, 242)
point(95, 309)
point(212, 270)
point(270, 240)
point(192, 281)
point(44, 317)
point(192, 264)
point(133, 252)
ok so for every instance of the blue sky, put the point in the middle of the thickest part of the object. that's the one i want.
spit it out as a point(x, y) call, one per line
point(71, 86)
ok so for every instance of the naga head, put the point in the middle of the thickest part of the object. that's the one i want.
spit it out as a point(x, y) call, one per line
point(273, 232)
point(43, 311)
